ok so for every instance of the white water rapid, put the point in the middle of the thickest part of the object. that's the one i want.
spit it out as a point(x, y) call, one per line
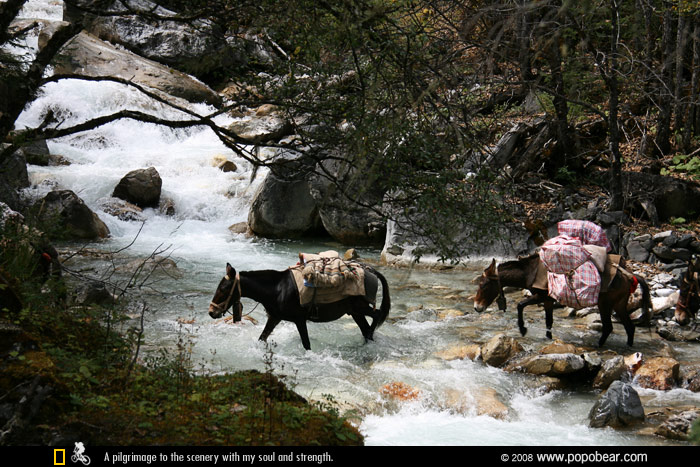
point(207, 201)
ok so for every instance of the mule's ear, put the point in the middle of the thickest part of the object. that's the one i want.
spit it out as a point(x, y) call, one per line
point(229, 269)
point(491, 270)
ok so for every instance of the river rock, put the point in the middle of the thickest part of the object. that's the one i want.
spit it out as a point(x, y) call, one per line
point(345, 208)
point(489, 404)
point(121, 209)
point(460, 352)
point(553, 364)
point(499, 350)
point(196, 47)
point(87, 55)
point(672, 332)
point(141, 187)
point(272, 214)
point(77, 218)
point(620, 406)
point(241, 228)
point(558, 347)
point(671, 196)
point(637, 251)
point(151, 265)
point(483, 401)
point(261, 129)
point(400, 391)
point(92, 293)
point(611, 371)
point(678, 426)
point(13, 177)
point(659, 373)
point(689, 377)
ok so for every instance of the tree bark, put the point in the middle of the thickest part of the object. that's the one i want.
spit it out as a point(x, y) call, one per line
point(663, 132)
point(616, 199)
point(691, 109)
point(681, 35)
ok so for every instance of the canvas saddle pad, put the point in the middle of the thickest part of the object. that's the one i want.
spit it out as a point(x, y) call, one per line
point(326, 278)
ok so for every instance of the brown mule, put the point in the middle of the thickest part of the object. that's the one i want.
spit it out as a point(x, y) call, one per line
point(521, 273)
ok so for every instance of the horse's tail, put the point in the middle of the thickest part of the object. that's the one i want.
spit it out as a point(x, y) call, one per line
point(646, 298)
point(386, 301)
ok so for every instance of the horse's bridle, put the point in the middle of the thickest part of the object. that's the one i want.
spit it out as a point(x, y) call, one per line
point(222, 307)
point(501, 298)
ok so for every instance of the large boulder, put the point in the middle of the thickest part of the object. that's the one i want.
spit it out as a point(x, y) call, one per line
point(140, 187)
point(346, 204)
point(668, 196)
point(620, 406)
point(260, 129)
point(72, 214)
point(199, 47)
point(404, 245)
point(274, 215)
point(87, 55)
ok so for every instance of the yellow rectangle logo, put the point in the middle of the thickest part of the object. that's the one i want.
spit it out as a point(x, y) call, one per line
point(59, 457)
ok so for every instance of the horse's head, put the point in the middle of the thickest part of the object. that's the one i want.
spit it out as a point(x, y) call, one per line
point(689, 299)
point(489, 289)
point(227, 294)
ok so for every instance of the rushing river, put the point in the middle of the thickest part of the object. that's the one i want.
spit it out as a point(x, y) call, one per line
point(430, 312)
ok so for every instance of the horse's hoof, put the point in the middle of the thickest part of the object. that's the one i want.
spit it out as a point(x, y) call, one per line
point(549, 334)
point(523, 331)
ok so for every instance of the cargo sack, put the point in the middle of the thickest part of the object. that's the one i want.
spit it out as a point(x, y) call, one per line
point(572, 279)
point(563, 254)
point(577, 289)
point(588, 232)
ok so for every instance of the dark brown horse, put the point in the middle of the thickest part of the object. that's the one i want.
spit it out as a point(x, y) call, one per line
point(278, 293)
point(521, 274)
point(689, 298)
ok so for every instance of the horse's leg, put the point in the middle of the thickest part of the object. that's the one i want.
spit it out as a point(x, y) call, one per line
point(303, 333)
point(622, 313)
point(521, 307)
point(549, 316)
point(269, 327)
point(606, 319)
point(367, 330)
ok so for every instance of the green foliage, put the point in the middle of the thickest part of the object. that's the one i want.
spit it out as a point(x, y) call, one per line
point(694, 435)
point(682, 163)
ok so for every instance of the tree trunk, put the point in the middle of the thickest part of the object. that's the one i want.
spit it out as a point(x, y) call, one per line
point(524, 56)
point(616, 199)
point(663, 132)
point(681, 34)
point(691, 109)
point(561, 107)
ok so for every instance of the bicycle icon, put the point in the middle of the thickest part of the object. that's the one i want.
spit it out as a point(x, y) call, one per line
point(78, 455)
